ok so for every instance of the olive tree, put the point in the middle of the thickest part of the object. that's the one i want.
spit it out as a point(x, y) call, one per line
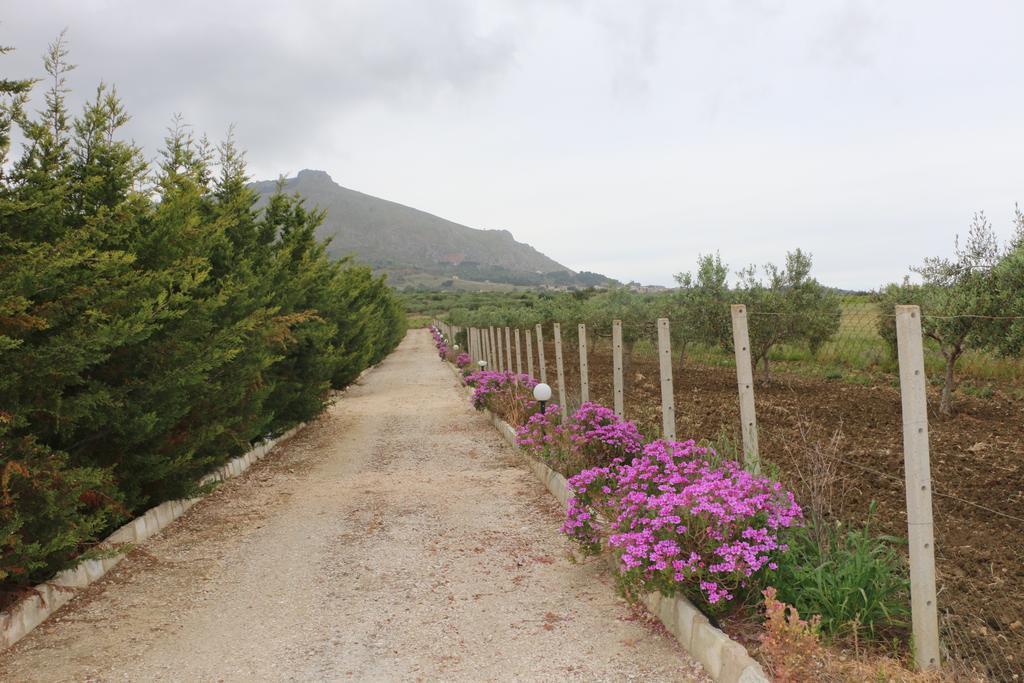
point(699, 308)
point(634, 310)
point(961, 300)
point(787, 306)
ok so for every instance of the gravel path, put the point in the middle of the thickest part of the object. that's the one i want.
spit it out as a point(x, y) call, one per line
point(397, 538)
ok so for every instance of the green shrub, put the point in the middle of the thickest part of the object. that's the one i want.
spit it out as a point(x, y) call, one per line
point(855, 580)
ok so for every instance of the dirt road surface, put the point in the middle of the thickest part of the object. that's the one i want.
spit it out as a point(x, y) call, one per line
point(397, 538)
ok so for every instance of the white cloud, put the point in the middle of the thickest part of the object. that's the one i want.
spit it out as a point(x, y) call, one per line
point(618, 137)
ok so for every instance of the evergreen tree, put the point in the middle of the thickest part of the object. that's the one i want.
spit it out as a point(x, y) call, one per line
point(153, 324)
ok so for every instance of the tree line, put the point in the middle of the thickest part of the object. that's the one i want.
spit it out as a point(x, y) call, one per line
point(154, 320)
point(796, 309)
point(974, 300)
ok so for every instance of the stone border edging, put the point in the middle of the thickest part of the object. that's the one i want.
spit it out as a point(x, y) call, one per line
point(723, 659)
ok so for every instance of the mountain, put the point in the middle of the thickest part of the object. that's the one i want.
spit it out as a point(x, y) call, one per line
point(416, 247)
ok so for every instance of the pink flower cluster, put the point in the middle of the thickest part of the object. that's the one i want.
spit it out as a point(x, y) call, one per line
point(595, 425)
point(463, 360)
point(683, 522)
point(543, 432)
point(594, 434)
point(440, 342)
point(490, 385)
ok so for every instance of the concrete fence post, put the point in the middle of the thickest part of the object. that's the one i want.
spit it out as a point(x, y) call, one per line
point(499, 351)
point(560, 370)
point(492, 361)
point(745, 383)
point(668, 400)
point(584, 378)
point(617, 389)
point(508, 350)
point(529, 353)
point(519, 355)
point(917, 470)
point(540, 355)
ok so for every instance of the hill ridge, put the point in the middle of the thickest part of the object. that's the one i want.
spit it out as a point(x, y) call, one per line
point(402, 240)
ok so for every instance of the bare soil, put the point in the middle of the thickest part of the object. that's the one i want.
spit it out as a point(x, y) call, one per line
point(977, 464)
point(397, 538)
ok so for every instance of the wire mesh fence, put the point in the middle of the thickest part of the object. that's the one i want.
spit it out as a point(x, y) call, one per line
point(829, 424)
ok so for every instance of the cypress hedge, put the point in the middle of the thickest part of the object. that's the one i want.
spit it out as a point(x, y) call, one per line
point(154, 321)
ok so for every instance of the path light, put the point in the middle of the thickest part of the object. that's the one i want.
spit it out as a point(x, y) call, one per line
point(455, 348)
point(542, 392)
point(482, 364)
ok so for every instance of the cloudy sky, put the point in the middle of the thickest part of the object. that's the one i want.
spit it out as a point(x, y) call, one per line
point(625, 137)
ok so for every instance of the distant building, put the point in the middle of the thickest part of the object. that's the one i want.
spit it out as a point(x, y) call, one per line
point(646, 289)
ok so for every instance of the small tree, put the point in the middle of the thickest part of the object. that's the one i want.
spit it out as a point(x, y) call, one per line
point(701, 306)
point(958, 298)
point(788, 307)
point(631, 308)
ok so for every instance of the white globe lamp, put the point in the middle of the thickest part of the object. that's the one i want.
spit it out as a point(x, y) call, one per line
point(542, 392)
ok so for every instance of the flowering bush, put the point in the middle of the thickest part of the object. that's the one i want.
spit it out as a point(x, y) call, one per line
point(439, 342)
point(463, 360)
point(593, 437)
point(503, 393)
point(680, 522)
point(542, 434)
point(600, 437)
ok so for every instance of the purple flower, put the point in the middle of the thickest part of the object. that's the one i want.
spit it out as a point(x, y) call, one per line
point(682, 521)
